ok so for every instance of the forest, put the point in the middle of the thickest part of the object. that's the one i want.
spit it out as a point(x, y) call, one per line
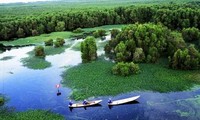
point(174, 16)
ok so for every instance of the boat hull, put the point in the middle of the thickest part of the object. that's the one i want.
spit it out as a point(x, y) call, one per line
point(123, 101)
point(90, 103)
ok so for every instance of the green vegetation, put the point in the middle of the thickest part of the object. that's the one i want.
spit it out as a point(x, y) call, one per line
point(7, 58)
point(99, 33)
point(29, 115)
point(39, 51)
point(186, 59)
point(48, 42)
point(125, 69)
point(34, 62)
point(8, 113)
point(78, 30)
point(150, 40)
point(191, 34)
point(88, 50)
point(147, 42)
point(38, 40)
point(2, 100)
point(39, 62)
point(59, 42)
point(50, 50)
point(37, 114)
point(171, 15)
point(101, 82)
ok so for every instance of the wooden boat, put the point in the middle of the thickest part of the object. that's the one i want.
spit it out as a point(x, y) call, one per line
point(123, 101)
point(90, 103)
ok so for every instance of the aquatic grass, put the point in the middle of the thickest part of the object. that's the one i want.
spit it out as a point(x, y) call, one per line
point(8, 114)
point(96, 79)
point(36, 63)
point(37, 115)
point(50, 50)
point(188, 108)
point(7, 58)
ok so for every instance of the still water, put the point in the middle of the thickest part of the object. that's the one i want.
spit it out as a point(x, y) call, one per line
point(35, 89)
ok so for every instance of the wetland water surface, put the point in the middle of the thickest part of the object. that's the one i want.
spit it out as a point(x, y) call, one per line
point(35, 89)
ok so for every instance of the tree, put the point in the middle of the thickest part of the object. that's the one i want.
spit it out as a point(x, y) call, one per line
point(20, 33)
point(186, 59)
point(39, 51)
point(59, 42)
point(138, 55)
point(114, 33)
point(99, 33)
point(35, 32)
point(60, 26)
point(49, 42)
point(88, 50)
point(125, 69)
point(191, 34)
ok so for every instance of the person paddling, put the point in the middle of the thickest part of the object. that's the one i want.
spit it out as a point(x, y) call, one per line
point(70, 103)
point(109, 101)
point(85, 102)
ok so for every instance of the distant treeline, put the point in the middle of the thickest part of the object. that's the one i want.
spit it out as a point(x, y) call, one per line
point(173, 16)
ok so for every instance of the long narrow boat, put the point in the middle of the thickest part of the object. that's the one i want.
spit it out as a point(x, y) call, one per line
point(90, 103)
point(123, 101)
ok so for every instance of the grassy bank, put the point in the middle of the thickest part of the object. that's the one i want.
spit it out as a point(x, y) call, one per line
point(96, 79)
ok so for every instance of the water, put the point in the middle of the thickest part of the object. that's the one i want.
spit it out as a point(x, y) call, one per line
point(35, 89)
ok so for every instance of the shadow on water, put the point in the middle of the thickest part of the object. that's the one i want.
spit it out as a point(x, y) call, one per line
point(93, 106)
point(128, 103)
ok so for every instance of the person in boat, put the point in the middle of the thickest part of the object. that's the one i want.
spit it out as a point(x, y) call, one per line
point(85, 102)
point(70, 103)
point(109, 101)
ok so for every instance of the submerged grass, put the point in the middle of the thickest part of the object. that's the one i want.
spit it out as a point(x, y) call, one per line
point(6, 58)
point(36, 63)
point(33, 62)
point(96, 79)
point(50, 50)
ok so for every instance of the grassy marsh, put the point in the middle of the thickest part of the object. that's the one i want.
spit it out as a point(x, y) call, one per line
point(96, 79)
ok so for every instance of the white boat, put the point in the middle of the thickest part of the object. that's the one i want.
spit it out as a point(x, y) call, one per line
point(90, 103)
point(122, 101)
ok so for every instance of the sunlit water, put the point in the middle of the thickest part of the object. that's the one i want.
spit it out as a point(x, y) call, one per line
point(35, 89)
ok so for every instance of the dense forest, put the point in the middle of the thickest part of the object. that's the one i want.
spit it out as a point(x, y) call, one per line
point(173, 16)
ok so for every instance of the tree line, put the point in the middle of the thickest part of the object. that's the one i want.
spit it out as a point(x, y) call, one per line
point(172, 16)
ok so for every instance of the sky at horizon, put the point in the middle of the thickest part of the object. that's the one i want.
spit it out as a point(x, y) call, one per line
point(15, 1)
